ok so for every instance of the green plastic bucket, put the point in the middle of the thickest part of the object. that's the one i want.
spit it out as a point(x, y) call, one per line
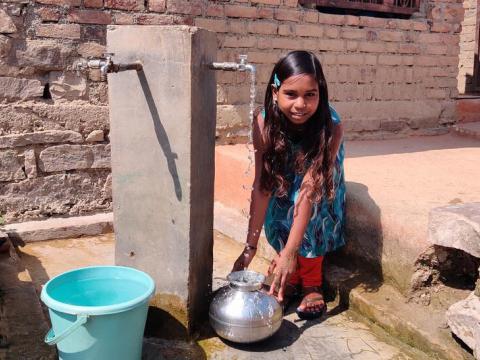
point(98, 312)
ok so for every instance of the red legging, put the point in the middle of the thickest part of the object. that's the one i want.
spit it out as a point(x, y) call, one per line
point(309, 272)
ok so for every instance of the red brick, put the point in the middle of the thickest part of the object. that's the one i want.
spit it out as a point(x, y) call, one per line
point(160, 19)
point(157, 5)
point(215, 10)
point(420, 26)
point(287, 15)
point(265, 13)
point(130, 5)
point(409, 49)
point(441, 27)
point(286, 29)
point(90, 17)
point(311, 16)
point(310, 44)
point(238, 11)
point(262, 27)
point(391, 35)
point(61, 31)
point(191, 7)
point(48, 13)
point(237, 26)
point(60, 2)
point(390, 59)
point(354, 34)
point(93, 3)
point(332, 32)
point(267, 2)
point(426, 38)
point(436, 49)
point(426, 60)
point(352, 20)
point(215, 25)
point(121, 18)
point(372, 22)
point(355, 59)
point(309, 30)
point(240, 41)
point(372, 47)
point(290, 3)
point(331, 45)
point(329, 19)
point(286, 43)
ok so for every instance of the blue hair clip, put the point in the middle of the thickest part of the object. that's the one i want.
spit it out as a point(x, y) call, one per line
point(276, 81)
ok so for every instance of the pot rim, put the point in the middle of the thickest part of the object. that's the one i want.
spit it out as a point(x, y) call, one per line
point(246, 280)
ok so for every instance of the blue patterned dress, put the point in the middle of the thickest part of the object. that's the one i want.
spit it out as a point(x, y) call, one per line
point(324, 232)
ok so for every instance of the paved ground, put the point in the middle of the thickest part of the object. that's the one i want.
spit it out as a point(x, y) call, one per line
point(338, 336)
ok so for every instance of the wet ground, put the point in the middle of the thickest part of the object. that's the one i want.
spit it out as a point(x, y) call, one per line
point(339, 335)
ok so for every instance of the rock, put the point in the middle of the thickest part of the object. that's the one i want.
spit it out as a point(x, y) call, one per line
point(456, 226)
point(15, 89)
point(5, 45)
point(46, 54)
point(20, 118)
point(55, 195)
point(107, 187)
point(30, 163)
point(11, 166)
point(95, 136)
point(91, 49)
point(101, 156)
point(65, 157)
point(6, 24)
point(67, 85)
point(463, 318)
point(40, 137)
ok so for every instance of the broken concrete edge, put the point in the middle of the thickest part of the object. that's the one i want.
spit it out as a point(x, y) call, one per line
point(384, 306)
point(58, 228)
point(463, 318)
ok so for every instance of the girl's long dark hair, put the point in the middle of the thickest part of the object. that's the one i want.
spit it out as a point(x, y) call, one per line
point(315, 139)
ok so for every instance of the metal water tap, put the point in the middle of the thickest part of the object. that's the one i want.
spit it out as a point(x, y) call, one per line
point(242, 65)
point(106, 65)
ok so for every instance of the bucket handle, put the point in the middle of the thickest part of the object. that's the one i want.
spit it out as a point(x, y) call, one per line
point(52, 339)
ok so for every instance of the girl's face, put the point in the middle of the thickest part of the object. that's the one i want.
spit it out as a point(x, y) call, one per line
point(298, 97)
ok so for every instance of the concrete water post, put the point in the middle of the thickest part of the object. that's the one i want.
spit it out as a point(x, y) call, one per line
point(162, 132)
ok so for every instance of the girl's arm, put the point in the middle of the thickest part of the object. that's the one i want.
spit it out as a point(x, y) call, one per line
point(285, 263)
point(259, 200)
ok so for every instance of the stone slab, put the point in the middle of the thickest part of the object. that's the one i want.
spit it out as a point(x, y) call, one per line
point(463, 318)
point(419, 326)
point(456, 226)
point(60, 228)
point(165, 116)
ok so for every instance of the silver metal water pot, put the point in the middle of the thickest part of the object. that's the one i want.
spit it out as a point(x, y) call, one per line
point(241, 313)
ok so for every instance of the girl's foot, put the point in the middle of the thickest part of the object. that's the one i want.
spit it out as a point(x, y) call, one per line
point(313, 305)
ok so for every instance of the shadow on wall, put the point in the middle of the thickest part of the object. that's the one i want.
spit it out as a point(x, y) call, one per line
point(359, 262)
point(161, 134)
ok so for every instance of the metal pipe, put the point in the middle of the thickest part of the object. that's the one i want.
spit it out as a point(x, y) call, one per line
point(242, 65)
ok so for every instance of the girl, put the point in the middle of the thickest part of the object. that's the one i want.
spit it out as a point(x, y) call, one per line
point(299, 189)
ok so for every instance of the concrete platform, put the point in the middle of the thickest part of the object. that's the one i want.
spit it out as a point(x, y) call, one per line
point(391, 187)
point(338, 336)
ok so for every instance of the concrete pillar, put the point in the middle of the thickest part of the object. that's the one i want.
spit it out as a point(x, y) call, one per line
point(162, 131)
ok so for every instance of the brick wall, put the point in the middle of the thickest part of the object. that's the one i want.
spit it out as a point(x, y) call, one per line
point(387, 78)
point(467, 47)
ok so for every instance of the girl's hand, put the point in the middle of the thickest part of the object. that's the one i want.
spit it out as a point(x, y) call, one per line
point(282, 266)
point(244, 259)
